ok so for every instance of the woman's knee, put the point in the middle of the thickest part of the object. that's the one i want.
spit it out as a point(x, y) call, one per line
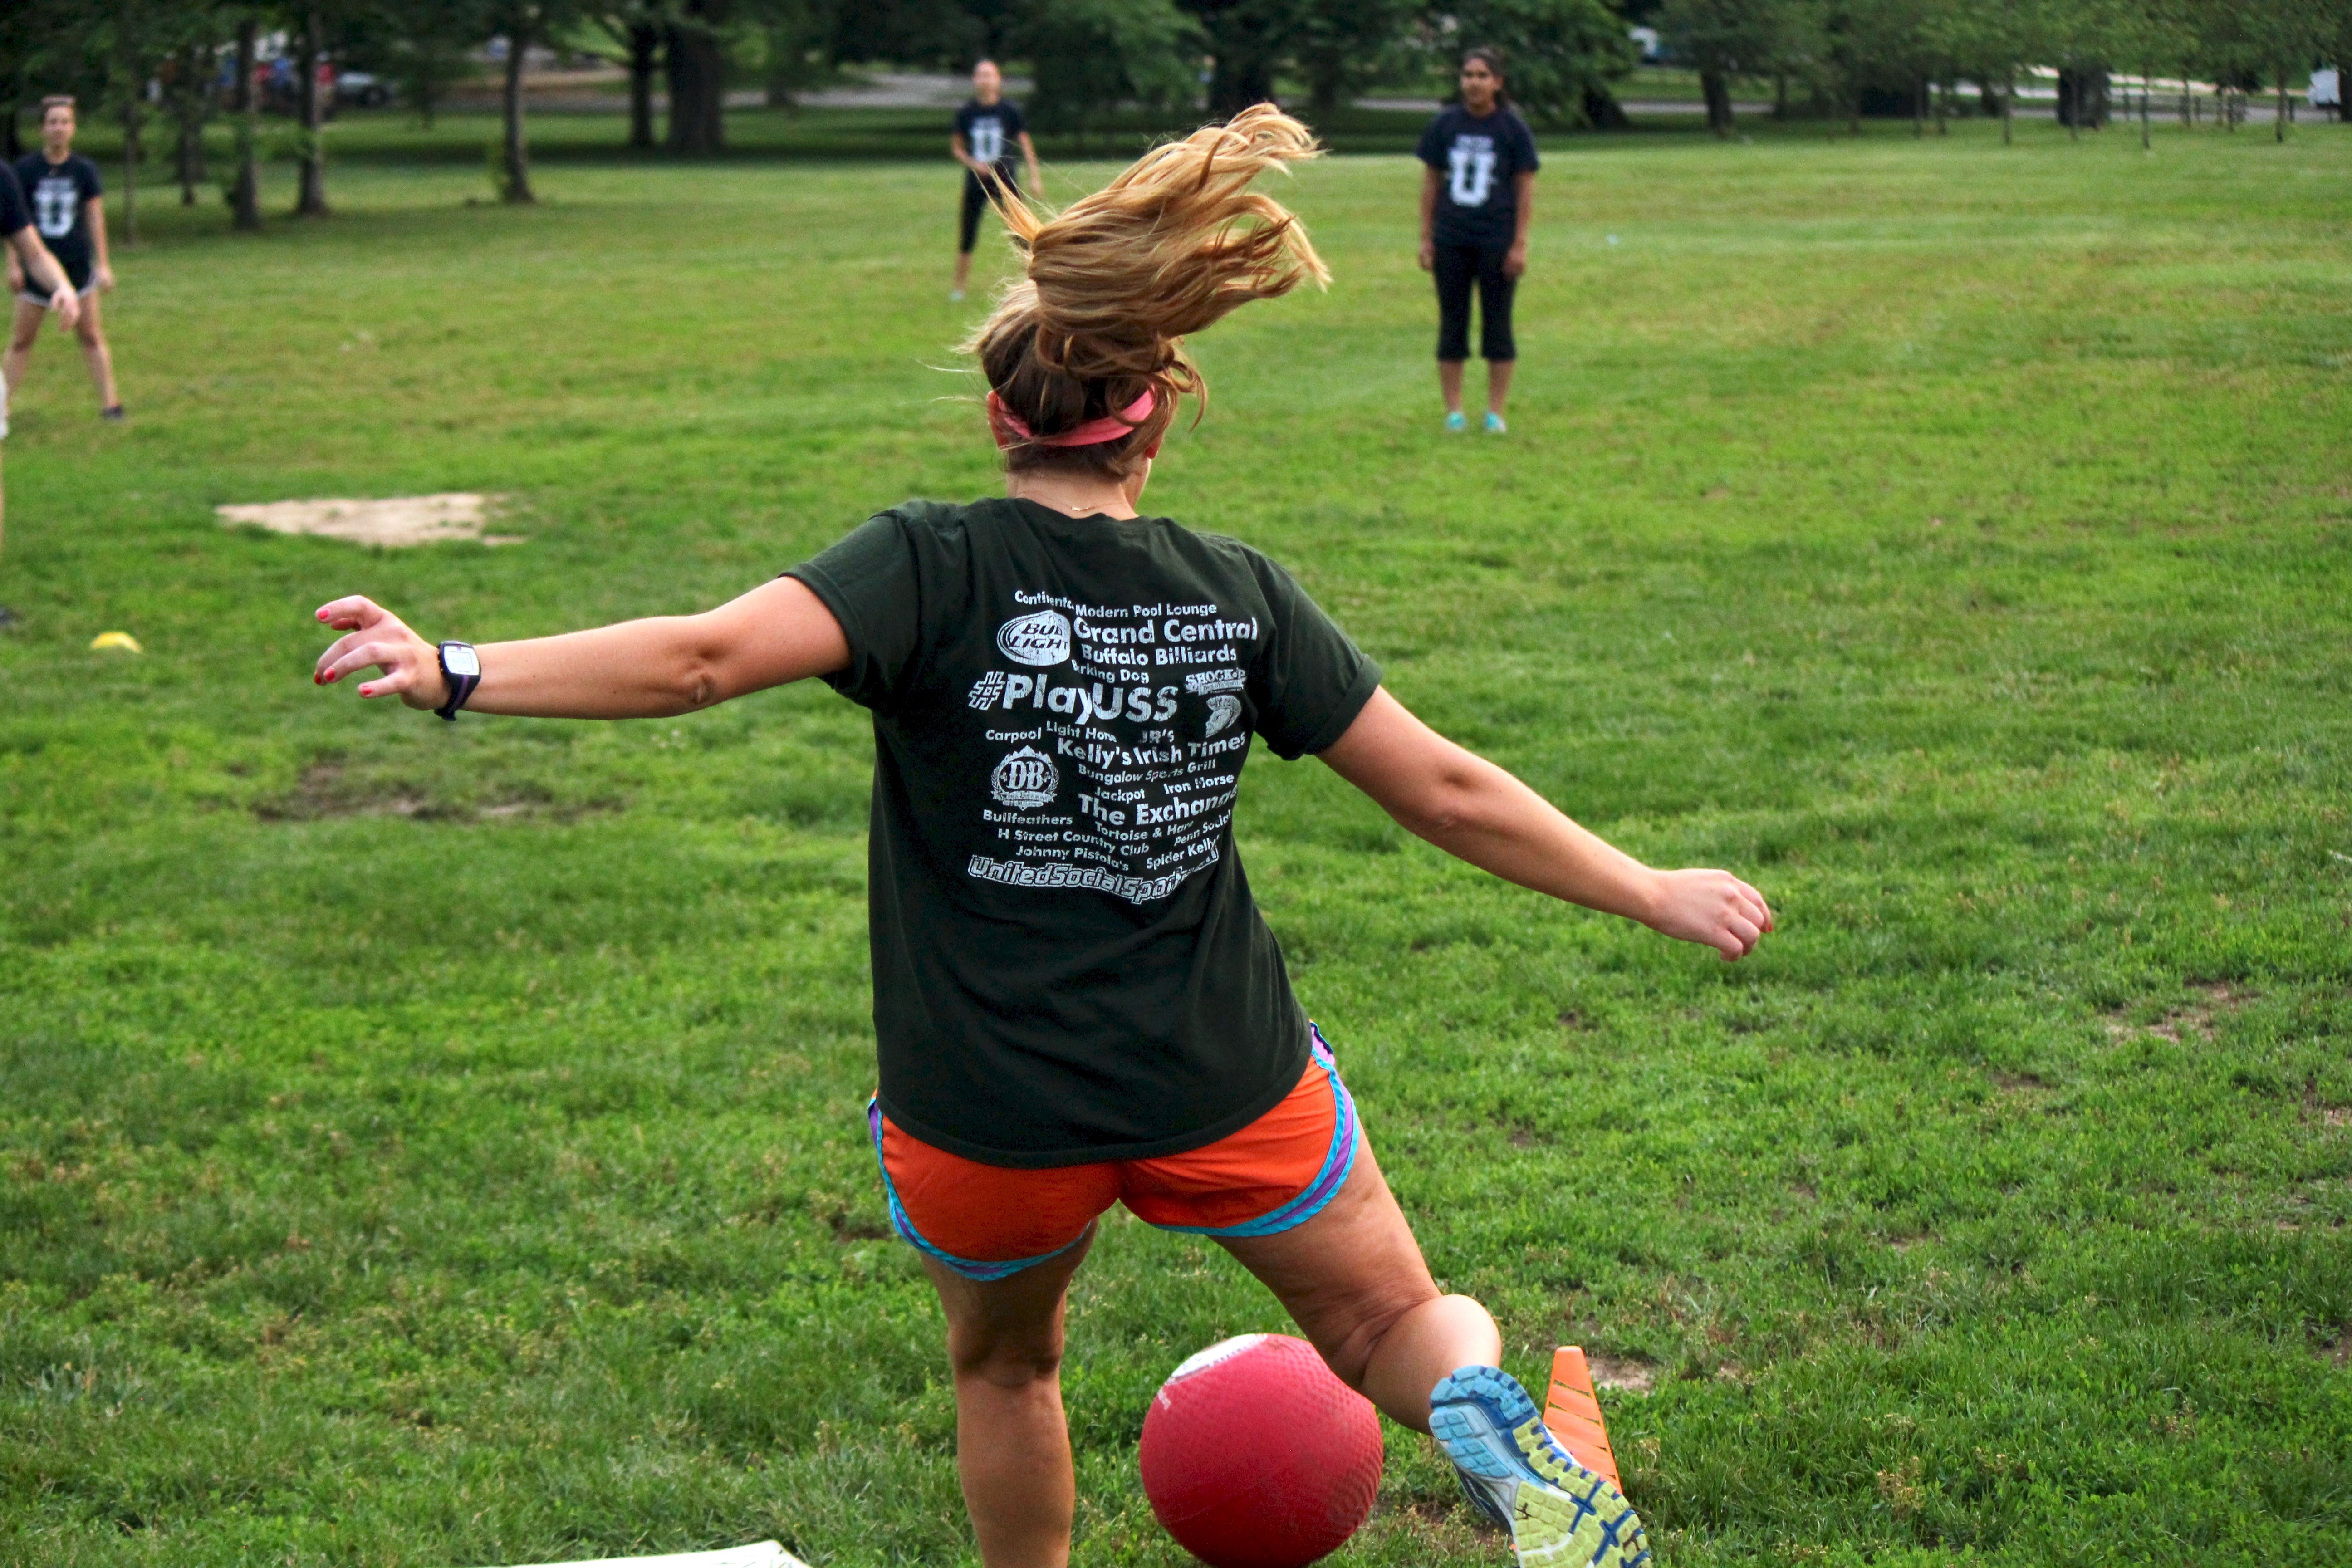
point(1348, 1333)
point(1003, 1360)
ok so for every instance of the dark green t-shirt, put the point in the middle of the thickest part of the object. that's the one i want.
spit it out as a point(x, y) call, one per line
point(1068, 964)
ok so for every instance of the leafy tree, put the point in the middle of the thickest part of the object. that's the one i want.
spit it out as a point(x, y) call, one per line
point(795, 38)
point(1341, 46)
point(1728, 37)
point(1557, 55)
point(429, 48)
point(1091, 56)
point(1247, 42)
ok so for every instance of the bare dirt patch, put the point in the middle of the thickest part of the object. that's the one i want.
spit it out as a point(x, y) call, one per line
point(1629, 1374)
point(396, 520)
point(2196, 1020)
point(327, 789)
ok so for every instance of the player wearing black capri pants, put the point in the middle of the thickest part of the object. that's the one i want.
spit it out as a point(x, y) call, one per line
point(1477, 196)
point(986, 129)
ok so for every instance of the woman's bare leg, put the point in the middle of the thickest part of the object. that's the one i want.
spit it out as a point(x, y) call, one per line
point(1353, 1279)
point(21, 333)
point(92, 330)
point(1012, 1442)
point(1499, 384)
point(1449, 384)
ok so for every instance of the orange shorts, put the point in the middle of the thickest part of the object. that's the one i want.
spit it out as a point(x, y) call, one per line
point(986, 1221)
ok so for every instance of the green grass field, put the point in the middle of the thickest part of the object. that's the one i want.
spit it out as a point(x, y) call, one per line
point(434, 1145)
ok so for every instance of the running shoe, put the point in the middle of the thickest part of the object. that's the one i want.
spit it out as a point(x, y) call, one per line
point(1455, 424)
point(1560, 1514)
point(112, 414)
point(1494, 425)
point(955, 296)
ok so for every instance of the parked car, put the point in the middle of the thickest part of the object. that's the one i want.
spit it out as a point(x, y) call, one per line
point(362, 89)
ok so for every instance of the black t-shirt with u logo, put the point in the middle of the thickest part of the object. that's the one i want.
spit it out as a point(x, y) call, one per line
point(992, 134)
point(1476, 161)
point(58, 194)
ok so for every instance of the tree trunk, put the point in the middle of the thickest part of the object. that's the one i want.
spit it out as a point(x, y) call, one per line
point(1943, 91)
point(11, 146)
point(244, 196)
point(311, 201)
point(1603, 113)
point(191, 158)
point(1239, 79)
point(1919, 107)
point(697, 89)
point(516, 186)
point(2278, 120)
point(645, 53)
point(1717, 91)
point(1780, 95)
point(131, 168)
point(2008, 101)
point(2146, 77)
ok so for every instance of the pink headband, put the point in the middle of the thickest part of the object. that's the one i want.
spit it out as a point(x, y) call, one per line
point(1093, 433)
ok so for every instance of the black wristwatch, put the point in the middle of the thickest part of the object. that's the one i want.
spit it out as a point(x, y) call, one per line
point(461, 671)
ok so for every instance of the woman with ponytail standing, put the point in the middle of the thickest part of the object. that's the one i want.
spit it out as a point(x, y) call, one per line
point(1477, 193)
point(1074, 999)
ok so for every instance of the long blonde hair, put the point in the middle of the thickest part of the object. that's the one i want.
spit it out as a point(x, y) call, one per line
point(1114, 283)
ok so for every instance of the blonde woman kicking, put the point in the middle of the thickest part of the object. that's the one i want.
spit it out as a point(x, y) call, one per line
point(1076, 1001)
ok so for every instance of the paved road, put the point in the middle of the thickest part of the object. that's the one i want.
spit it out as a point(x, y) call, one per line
point(928, 90)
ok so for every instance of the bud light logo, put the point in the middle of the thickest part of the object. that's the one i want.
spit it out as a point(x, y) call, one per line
point(1042, 637)
point(1026, 778)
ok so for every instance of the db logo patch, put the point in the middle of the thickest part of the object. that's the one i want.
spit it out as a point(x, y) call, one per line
point(1042, 637)
point(1026, 778)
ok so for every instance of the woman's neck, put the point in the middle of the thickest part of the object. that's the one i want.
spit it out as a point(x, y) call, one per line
point(1074, 495)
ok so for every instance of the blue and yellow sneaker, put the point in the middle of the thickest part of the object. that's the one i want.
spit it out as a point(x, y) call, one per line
point(1560, 1514)
point(1455, 423)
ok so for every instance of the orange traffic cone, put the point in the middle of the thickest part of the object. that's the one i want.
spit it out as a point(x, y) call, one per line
point(1572, 1411)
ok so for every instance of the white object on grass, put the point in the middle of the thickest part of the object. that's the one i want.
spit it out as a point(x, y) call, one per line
point(393, 521)
point(766, 1554)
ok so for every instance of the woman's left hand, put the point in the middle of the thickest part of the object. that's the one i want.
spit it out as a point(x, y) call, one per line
point(1515, 260)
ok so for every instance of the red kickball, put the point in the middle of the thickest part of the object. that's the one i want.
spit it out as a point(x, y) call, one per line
point(1255, 1456)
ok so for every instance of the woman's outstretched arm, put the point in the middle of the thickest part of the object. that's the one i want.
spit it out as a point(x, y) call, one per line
point(779, 632)
point(1469, 807)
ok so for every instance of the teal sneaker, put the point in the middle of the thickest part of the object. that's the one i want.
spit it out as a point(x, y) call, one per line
point(1455, 424)
point(1494, 425)
point(1560, 1514)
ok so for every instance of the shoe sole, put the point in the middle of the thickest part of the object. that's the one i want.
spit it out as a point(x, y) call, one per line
point(1562, 1515)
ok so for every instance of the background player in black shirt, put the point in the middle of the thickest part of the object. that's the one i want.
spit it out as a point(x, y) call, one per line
point(985, 131)
point(1477, 190)
point(64, 189)
point(28, 256)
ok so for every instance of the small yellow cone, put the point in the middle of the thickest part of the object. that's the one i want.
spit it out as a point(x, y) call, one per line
point(123, 640)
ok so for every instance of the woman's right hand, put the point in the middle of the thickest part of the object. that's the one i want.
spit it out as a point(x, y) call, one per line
point(374, 636)
point(1714, 909)
point(1429, 255)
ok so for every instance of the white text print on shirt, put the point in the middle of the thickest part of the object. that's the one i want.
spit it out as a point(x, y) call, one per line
point(1472, 166)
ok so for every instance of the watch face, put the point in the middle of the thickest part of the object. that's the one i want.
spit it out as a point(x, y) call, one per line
point(460, 660)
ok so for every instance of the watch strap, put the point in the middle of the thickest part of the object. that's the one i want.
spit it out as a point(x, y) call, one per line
point(459, 687)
